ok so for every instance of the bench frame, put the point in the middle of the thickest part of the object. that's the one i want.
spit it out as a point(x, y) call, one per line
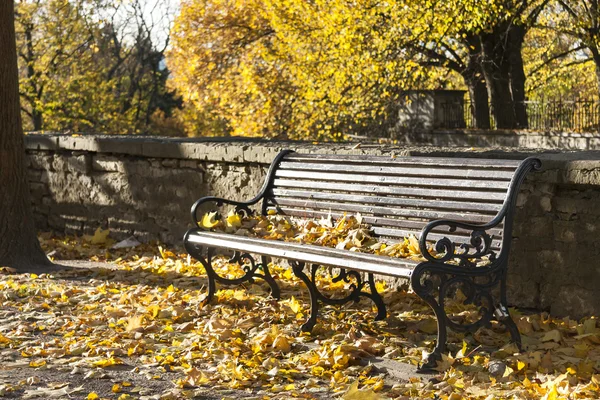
point(456, 268)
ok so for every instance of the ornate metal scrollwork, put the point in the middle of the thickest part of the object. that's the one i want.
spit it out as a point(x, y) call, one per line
point(435, 282)
point(247, 263)
point(357, 286)
point(467, 254)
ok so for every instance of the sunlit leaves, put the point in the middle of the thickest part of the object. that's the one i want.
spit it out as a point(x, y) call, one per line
point(146, 310)
point(298, 69)
point(346, 233)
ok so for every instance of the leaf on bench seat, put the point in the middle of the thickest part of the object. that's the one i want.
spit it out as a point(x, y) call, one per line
point(209, 220)
point(233, 220)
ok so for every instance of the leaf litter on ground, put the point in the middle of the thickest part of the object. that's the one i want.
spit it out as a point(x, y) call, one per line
point(145, 311)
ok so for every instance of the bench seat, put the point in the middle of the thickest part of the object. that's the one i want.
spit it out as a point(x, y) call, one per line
point(313, 254)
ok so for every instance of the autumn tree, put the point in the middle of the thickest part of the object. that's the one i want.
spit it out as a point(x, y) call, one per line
point(557, 64)
point(19, 246)
point(294, 69)
point(582, 22)
point(92, 65)
point(326, 68)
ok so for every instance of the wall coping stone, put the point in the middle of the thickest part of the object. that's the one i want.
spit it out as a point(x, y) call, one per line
point(564, 167)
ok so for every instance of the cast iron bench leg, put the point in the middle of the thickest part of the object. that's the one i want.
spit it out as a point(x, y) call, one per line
point(503, 316)
point(245, 260)
point(356, 291)
point(430, 281)
point(275, 292)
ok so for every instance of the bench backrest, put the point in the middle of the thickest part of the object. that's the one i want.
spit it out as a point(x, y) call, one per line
point(396, 196)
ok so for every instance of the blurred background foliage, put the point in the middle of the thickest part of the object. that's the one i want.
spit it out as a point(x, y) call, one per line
point(316, 70)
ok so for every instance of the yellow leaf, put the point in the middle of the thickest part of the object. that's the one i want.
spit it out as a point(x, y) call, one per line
point(153, 309)
point(282, 344)
point(553, 335)
point(552, 394)
point(233, 220)
point(107, 362)
point(295, 305)
point(354, 393)
point(100, 236)
point(520, 365)
point(508, 372)
point(92, 396)
point(134, 323)
point(116, 388)
point(4, 339)
point(445, 364)
point(195, 377)
point(463, 351)
point(210, 220)
point(36, 364)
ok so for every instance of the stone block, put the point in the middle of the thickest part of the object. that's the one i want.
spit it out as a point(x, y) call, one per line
point(169, 163)
point(70, 163)
point(191, 164)
point(34, 175)
point(41, 142)
point(573, 301)
point(565, 231)
point(39, 161)
point(40, 221)
point(38, 190)
point(106, 163)
point(546, 203)
point(534, 227)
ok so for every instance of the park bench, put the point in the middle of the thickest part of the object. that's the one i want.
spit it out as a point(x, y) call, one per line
point(461, 207)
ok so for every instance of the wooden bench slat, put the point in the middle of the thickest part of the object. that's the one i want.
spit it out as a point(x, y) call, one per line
point(397, 201)
point(405, 228)
point(383, 222)
point(400, 234)
point(440, 161)
point(384, 211)
point(483, 196)
point(447, 172)
point(392, 180)
point(307, 253)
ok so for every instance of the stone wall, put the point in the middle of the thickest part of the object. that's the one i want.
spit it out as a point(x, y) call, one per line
point(145, 187)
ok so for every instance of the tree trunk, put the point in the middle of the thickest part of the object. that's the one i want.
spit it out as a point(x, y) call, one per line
point(36, 118)
point(36, 115)
point(515, 37)
point(480, 108)
point(19, 246)
point(596, 57)
point(496, 71)
point(475, 81)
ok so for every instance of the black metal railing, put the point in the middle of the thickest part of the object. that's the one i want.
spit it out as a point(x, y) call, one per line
point(573, 115)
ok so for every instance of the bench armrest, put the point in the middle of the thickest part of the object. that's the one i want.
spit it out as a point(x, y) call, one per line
point(477, 246)
point(240, 206)
point(243, 206)
point(480, 242)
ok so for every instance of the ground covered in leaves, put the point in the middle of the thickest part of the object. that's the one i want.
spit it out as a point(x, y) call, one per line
point(132, 325)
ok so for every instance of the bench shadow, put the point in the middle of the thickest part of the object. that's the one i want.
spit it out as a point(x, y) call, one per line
point(79, 271)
